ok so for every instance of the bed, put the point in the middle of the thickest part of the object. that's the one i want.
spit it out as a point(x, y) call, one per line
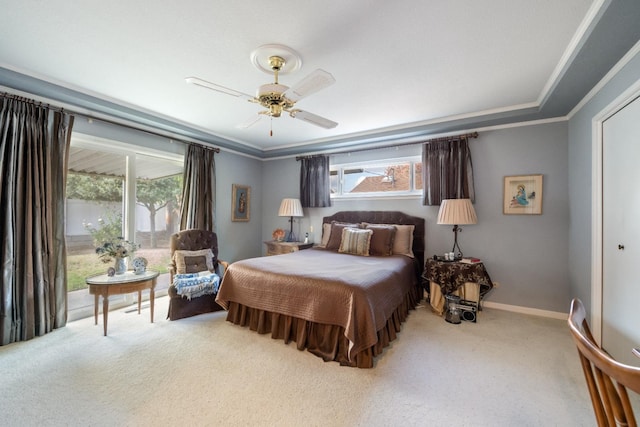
point(340, 305)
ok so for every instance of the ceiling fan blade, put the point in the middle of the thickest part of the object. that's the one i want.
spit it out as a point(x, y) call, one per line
point(252, 121)
point(203, 83)
point(314, 119)
point(319, 79)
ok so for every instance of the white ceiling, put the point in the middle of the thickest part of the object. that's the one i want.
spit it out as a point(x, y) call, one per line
point(397, 65)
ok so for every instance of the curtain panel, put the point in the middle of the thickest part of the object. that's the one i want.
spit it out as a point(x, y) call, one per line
point(199, 189)
point(447, 171)
point(315, 184)
point(34, 150)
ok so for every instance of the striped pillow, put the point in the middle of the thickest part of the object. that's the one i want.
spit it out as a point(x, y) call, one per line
point(355, 241)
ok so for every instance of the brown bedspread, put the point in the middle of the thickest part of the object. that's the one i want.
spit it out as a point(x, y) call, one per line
point(357, 293)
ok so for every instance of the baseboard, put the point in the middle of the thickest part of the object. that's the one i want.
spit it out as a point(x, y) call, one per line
point(526, 310)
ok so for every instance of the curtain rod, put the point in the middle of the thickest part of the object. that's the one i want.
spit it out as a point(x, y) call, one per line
point(111, 122)
point(440, 139)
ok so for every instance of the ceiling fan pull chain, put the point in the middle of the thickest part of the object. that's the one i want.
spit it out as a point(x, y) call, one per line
point(271, 125)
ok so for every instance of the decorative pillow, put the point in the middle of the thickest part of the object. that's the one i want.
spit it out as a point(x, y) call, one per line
point(382, 239)
point(355, 241)
point(193, 261)
point(326, 233)
point(335, 236)
point(403, 242)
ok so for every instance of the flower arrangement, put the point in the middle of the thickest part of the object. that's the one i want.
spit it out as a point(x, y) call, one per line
point(278, 234)
point(116, 248)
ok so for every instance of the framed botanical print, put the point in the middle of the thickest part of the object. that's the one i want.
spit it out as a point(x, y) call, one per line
point(241, 203)
point(522, 195)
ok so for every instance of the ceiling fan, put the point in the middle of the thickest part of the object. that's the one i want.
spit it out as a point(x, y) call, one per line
point(277, 98)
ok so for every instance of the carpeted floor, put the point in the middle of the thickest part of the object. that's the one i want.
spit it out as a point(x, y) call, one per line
point(506, 370)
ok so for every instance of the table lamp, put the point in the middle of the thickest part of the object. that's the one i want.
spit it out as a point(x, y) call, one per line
point(290, 208)
point(457, 212)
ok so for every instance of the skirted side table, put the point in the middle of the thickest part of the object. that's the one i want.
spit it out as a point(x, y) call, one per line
point(469, 281)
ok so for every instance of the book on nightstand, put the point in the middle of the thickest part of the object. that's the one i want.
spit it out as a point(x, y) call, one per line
point(470, 260)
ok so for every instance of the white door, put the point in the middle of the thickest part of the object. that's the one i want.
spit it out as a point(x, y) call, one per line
point(621, 233)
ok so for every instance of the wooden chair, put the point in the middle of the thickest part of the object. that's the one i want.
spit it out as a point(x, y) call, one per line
point(607, 379)
point(193, 240)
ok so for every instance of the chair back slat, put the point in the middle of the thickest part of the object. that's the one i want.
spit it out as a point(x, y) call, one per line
point(607, 379)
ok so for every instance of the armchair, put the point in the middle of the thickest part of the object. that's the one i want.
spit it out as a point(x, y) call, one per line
point(193, 240)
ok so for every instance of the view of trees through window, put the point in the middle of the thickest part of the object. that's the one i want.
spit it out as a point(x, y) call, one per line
point(106, 193)
point(96, 212)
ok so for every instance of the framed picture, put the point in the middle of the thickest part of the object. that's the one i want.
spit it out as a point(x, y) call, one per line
point(522, 195)
point(241, 203)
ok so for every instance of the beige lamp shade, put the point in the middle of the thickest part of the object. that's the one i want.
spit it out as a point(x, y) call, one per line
point(290, 207)
point(457, 212)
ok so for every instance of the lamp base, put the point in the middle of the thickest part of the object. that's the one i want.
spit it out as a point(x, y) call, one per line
point(457, 255)
point(291, 237)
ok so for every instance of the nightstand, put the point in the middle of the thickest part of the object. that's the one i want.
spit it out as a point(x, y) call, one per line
point(469, 281)
point(275, 247)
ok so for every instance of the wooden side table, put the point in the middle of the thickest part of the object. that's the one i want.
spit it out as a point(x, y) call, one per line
point(275, 247)
point(121, 284)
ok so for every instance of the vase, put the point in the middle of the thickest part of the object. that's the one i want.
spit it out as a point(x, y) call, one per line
point(121, 266)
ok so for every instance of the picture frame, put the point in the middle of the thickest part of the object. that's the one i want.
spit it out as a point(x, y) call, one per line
point(241, 203)
point(522, 195)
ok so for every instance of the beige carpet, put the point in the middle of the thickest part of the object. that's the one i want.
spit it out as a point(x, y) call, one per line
point(507, 370)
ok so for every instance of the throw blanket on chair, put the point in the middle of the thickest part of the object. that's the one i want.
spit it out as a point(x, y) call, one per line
point(193, 285)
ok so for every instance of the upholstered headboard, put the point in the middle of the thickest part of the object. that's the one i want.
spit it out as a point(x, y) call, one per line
point(387, 217)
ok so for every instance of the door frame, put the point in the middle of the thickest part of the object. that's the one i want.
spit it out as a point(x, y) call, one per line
point(616, 105)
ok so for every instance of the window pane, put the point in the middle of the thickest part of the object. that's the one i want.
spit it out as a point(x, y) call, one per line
point(93, 216)
point(334, 180)
point(158, 208)
point(417, 177)
point(95, 212)
point(378, 178)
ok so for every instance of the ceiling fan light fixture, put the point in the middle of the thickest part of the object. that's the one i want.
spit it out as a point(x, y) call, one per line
point(271, 90)
point(275, 110)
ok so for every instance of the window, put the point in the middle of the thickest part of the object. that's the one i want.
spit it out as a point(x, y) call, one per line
point(103, 204)
point(382, 178)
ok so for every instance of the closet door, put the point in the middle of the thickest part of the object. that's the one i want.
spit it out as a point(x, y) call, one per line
point(621, 234)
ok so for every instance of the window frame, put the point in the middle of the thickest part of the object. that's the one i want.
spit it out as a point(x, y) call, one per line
point(339, 169)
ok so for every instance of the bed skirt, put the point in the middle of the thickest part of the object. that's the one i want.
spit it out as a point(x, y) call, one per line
point(322, 340)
